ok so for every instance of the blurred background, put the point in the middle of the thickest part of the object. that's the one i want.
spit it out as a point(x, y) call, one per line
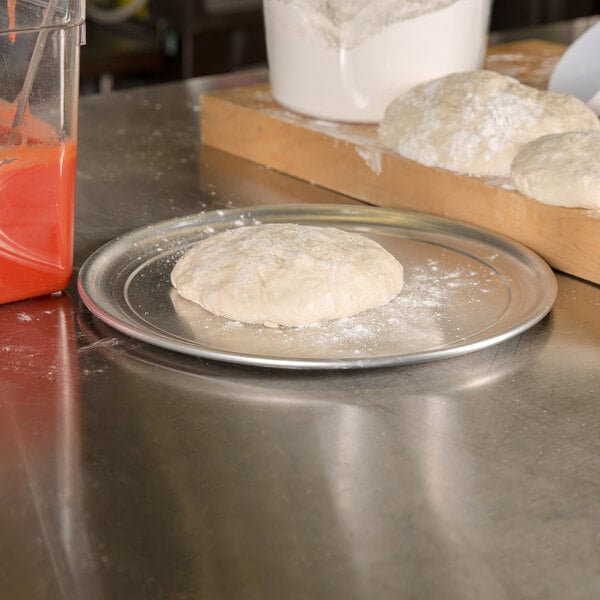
point(140, 42)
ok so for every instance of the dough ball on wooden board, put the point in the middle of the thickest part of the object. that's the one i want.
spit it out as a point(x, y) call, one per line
point(287, 274)
point(562, 169)
point(475, 122)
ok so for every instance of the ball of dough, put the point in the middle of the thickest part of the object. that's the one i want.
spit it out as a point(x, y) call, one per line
point(476, 122)
point(560, 169)
point(287, 274)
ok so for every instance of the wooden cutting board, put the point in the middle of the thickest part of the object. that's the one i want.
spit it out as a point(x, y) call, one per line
point(347, 158)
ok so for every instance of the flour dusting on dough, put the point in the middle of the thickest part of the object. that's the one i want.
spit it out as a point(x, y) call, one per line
point(372, 157)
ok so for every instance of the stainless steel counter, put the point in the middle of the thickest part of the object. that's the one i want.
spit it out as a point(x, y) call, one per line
point(127, 472)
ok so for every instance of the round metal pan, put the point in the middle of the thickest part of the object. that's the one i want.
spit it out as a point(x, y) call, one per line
point(465, 289)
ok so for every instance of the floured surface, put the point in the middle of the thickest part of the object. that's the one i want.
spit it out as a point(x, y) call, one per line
point(347, 158)
point(464, 290)
point(258, 98)
point(530, 61)
point(441, 304)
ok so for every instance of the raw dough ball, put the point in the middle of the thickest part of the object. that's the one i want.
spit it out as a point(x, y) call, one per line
point(286, 274)
point(476, 122)
point(561, 169)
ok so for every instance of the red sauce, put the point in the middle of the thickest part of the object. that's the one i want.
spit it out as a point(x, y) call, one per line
point(37, 194)
point(11, 8)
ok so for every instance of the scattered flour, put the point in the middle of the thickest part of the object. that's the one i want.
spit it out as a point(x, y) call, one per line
point(531, 69)
point(372, 157)
point(436, 307)
point(346, 23)
point(109, 342)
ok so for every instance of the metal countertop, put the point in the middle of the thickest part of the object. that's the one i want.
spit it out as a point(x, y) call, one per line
point(130, 472)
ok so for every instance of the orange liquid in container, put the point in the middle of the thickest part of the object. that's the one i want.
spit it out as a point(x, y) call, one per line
point(37, 194)
point(11, 7)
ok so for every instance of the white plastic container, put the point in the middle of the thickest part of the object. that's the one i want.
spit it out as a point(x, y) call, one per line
point(348, 65)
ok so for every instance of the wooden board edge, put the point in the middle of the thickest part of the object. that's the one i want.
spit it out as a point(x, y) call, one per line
point(369, 173)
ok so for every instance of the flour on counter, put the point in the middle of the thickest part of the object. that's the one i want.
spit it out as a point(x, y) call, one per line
point(437, 307)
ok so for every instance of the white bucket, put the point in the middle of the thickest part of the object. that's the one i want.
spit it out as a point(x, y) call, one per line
point(351, 70)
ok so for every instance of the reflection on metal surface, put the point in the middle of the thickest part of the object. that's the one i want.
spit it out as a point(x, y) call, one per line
point(465, 289)
point(238, 383)
point(256, 185)
point(375, 475)
point(40, 474)
point(449, 478)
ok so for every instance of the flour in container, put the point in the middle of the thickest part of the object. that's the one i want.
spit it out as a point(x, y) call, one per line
point(346, 60)
point(346, 23)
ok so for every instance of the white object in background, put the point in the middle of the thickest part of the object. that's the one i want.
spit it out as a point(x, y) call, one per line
point(351, 68)
point(594, 103)
point(578, 71)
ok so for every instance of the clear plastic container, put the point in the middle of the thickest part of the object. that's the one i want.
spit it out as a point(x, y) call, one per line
point(346, 61)
point(39, 88)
